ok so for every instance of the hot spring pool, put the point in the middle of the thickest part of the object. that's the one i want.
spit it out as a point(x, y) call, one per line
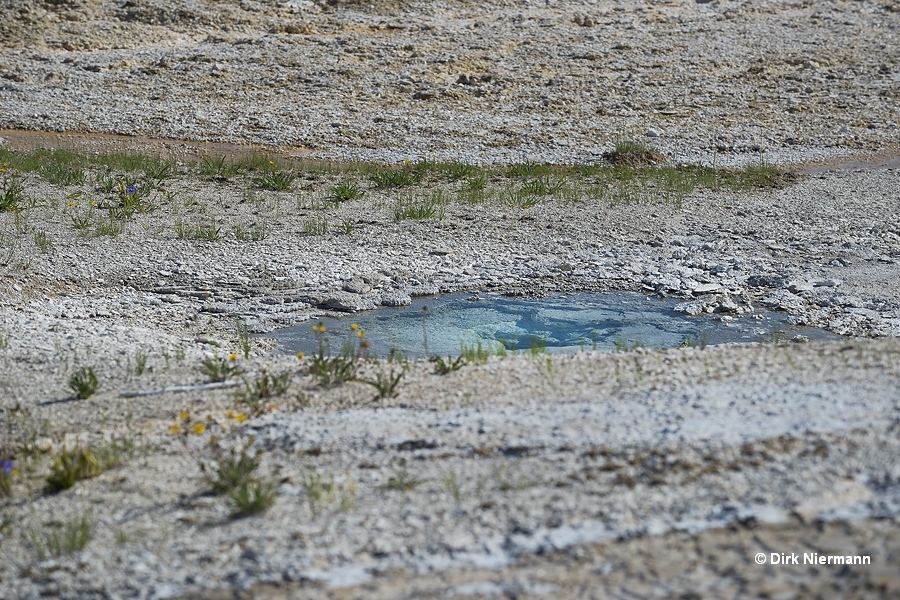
point(556, 323)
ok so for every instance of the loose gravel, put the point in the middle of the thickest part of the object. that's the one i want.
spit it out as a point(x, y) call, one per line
point(591, 475)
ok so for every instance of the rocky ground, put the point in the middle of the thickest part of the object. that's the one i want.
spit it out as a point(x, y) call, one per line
point(630, 474)
point(479, 81)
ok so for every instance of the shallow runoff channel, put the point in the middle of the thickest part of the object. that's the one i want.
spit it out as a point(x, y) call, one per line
point(444, 325)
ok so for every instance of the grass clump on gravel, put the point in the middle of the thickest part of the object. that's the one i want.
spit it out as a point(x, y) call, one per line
point(344, 192)
point(56, 539)
point(275, 181)
point(71, 466)
point(217, 368)
point(230, 470)
point(402, 481)
point(265, 386)
point(632, 153)
point(202, 232)
point(388, 177)
point(12, 192)
point(252, 498)
point(84, 383)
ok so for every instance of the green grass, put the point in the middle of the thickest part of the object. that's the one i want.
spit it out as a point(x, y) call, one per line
point(342, 367)
point(402, 481)
point(542, 186)
point(140, 362)
point(56, 162)
point(57, 539)
point(633, 153)
point(256, 232)
point(385, 384)
point(219, 168)
point(71, 466)
point(315, 226)
point(321, 491)
point(200, 232)
point(476, 354)
point(231, 470)
point(12, 192)
point(344, 192)
point(428, 207)
point(218, 368)
point(530, 170)
point(275, 181)
point(6, 483)
point(443, 367)
point(108, 227)
point(245, 343)
point(252, 498)
point(624, 346)
point(388, 177)
point(451, 482)
point(63, 174)
point(83, 383)
point(456, 171)
point(42, 240)
point(160, 169)
point(265, 386)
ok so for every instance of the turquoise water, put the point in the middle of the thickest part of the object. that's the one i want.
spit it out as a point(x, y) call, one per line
point(557, 323)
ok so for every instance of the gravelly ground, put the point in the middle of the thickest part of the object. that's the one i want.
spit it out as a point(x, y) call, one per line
point(635, 474)
point(484, 82)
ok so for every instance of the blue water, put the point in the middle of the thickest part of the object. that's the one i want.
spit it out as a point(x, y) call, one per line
point(557, 323)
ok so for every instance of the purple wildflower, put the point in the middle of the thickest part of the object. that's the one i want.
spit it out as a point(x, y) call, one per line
point(6, 466)
point(131, 189)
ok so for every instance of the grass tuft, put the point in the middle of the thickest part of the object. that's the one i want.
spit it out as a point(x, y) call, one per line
point(202, 232)
point(62, 538)
point(632, 153)
point(12, 192)
point(84, 382)
point(71, 466)
point(275, 181)
point(442, 367)
point(219, 368)
point(231, 470)
point(315, 226)
point(345, 192)
point(387, 177)
point(385, 384)
point(265, 386)
point(252, 498)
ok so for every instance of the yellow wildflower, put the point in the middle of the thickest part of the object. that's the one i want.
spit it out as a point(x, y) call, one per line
point(300, 356)
point(184, 415)
point(175, 429)
point(240, 417)
point(360, 334)
point(199, 428)
point(353, 326)
point(232, 356)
